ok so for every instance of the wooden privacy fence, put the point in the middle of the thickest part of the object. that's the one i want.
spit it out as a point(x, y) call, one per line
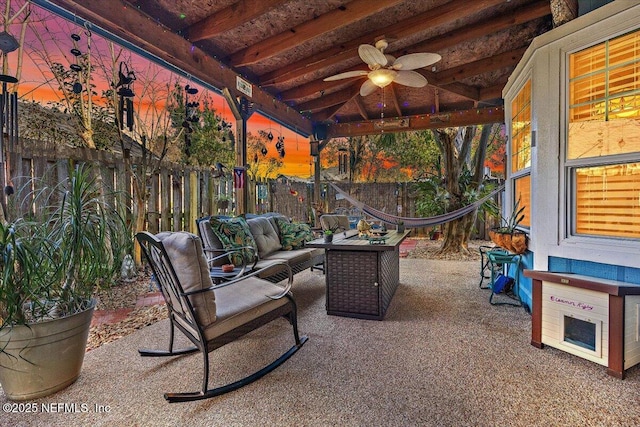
point(178, 194)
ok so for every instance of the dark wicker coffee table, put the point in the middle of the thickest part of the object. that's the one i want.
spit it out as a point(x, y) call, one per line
point(361, 277)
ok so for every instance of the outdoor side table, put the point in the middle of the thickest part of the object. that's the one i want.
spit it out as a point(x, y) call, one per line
point(361, 274)
point(218, 276)
point(499, 262)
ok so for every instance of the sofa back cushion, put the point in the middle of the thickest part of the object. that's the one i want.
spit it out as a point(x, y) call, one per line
point(209, 238)
point(187, 257)
point(274, 217)
point(265, 236)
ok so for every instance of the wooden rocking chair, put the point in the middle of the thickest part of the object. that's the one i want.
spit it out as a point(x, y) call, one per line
point(211, 316)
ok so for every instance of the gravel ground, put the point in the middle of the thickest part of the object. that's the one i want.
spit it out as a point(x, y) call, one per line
point(124, 295)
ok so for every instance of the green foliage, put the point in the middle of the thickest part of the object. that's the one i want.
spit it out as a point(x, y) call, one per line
point(209, 141)
point(510, 223)
point(434, 199)
point(72, 244)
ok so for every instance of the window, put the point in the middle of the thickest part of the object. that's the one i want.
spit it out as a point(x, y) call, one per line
point(603, 140)
point(521, 129)
point(522, 192)
point(607, 200)
point(521, 150)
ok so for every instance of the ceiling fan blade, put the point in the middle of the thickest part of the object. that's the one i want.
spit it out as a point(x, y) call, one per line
point(414, 61)
point(372, 56)
point(367, 88)
point(346, 75)
point(410, 78)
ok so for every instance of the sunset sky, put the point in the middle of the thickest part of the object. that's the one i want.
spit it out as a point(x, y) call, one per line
point(35, 85)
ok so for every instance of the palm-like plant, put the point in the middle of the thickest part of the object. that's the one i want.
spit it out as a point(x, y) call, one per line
point(53, 263)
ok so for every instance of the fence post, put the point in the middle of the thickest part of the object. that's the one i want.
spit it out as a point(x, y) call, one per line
point(193, 201)
point(178, 187)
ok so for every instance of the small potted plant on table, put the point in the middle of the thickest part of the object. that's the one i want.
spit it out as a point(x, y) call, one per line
point(328, 236)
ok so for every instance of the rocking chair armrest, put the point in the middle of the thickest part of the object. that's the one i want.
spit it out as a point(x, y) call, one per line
point(237, 279)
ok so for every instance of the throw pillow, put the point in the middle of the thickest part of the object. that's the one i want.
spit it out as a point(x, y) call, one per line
point(293, 235)
point(233, 234)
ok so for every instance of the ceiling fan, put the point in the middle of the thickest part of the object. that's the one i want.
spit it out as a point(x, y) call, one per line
point(386, 69)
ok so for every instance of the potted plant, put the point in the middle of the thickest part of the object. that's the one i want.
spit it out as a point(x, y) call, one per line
point(222, 202)
point(328, 236)
point(507, 235)
point(400, 227)
point(435, 233)
point(52, 263)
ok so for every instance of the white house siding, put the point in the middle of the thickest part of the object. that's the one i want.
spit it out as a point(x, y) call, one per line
point(545, 64)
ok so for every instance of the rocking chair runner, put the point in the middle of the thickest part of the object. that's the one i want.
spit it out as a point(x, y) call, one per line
point(212, 316)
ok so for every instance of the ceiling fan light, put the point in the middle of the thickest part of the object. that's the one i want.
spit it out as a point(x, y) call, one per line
point(382, 77)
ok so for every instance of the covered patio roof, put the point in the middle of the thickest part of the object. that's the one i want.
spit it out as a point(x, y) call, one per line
point(277, 53)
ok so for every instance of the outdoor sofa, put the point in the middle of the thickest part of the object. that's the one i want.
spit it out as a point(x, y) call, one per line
point(266, 238)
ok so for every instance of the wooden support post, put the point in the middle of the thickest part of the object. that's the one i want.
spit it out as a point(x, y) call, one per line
point(242, 110)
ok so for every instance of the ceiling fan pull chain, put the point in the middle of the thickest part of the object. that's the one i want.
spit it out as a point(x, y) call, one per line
point(382, 113)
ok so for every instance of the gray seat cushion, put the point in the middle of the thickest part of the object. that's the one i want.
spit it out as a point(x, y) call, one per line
point(242, 302)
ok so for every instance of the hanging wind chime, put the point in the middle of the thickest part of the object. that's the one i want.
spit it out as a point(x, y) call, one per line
point(125, 96)
point(190, 117)
point(268, 135)
point(8, 117)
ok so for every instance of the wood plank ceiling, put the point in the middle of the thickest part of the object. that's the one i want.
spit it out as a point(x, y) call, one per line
point(285, 48)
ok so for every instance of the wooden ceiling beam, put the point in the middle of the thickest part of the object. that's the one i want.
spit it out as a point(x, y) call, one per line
point(326, 114)
point(440, 79)
point(492, 92)
point(229, 18)
point(337, 18)
point(497, 23)
point(360, 107)
point(419, 122)
point(315, 88)
point(424, 21)
point(345, 51)
point(336, 98)
point(481, 66)
point(136, 28)
point(394, 99)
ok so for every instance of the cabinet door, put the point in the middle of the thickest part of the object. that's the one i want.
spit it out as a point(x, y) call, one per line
point(352, 283)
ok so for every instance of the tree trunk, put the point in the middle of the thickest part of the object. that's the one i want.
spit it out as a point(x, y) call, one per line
point(455, 147)
point(457, 234)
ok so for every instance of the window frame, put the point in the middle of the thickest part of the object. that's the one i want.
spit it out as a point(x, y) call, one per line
point(569, 166)
point(526, 171)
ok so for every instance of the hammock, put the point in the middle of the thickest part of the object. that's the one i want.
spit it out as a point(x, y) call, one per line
point(416, 222)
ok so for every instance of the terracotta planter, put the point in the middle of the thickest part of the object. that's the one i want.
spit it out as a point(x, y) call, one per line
point(515, 242)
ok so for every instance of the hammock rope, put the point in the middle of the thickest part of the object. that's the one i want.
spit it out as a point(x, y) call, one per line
point(415, 222)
